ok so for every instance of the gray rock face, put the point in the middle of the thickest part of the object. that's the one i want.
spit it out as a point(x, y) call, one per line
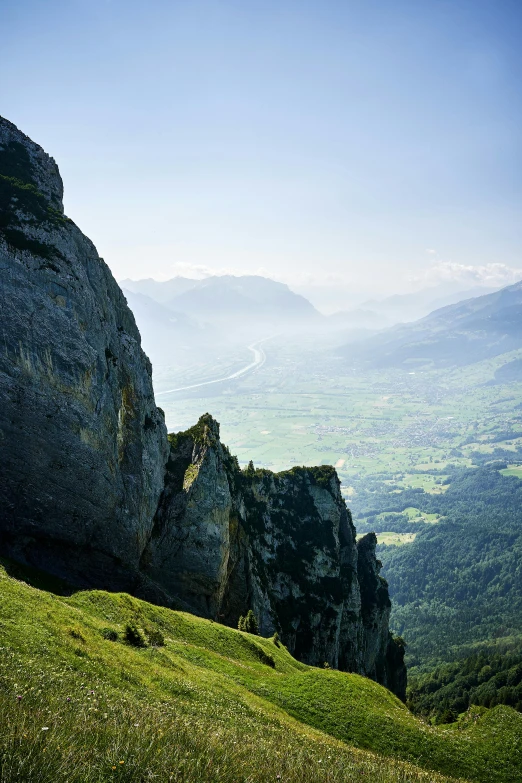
point(83, 443)
point(382, 656)
point(91, 489)
point(283, 545)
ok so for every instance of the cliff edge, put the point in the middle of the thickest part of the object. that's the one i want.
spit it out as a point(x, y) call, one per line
point(226, 540)
point(93, 491)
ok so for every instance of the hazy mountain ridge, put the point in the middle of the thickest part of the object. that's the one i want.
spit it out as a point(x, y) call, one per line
point(168, 334)
point(161, 292)
point(418, 304)
point(227, 297)
point(460, 333)
point(224, 311)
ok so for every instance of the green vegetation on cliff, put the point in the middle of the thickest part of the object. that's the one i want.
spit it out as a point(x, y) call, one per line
point(19, 195)
point(79, 704)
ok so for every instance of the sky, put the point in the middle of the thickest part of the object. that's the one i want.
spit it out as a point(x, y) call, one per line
point(368, 147)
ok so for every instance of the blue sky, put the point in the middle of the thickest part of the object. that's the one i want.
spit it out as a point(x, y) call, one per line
point(360, 145)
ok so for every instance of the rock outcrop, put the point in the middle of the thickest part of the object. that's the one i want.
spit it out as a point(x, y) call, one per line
point(226, 540)
point(92, 490)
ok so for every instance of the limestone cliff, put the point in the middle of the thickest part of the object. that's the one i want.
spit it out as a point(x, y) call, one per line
point(226, 540)
point(91, 489)
point(83, 443)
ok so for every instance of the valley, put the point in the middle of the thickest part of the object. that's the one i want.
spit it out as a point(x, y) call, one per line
point(306, 406)
point(400, 439)
point(259, 359)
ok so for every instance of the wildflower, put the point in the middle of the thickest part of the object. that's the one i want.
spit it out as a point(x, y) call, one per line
point(45, 728)
point(68, 698)
point(114, 766)
point(122, 762)
point(19, 698)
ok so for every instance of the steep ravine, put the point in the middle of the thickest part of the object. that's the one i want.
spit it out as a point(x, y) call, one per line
point(92, 490)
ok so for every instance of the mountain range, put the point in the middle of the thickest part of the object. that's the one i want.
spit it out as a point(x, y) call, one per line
point(182, 320)
point(169, 335)
point(404, 308)
point(182, 317)
point(225, 299)
point(458, 334)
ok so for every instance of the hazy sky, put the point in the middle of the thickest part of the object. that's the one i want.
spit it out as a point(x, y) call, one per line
point(359, 144)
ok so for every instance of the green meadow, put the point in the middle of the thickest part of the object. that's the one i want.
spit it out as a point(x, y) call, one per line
point(515, 470)
point(203, 702)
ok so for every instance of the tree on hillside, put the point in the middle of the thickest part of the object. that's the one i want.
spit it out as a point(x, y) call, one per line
point(249, 623)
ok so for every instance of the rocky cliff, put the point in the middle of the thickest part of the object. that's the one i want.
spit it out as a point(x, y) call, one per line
point(92, 490)
point(83, 444)
point(226, 540)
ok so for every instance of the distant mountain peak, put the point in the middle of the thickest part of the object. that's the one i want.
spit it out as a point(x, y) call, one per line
point(227, 297)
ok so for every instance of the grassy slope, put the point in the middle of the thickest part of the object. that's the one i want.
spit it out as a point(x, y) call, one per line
point(205, 707)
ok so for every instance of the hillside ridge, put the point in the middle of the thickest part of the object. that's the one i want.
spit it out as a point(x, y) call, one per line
point(457, 334)
point(195, 700)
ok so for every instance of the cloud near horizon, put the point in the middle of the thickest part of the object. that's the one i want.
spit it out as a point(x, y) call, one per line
point(494, 274)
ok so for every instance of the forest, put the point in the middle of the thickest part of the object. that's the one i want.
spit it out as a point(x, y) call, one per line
point(459, 582)
point(487, 678)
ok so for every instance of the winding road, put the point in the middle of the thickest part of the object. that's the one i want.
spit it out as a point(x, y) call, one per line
point(259, 360)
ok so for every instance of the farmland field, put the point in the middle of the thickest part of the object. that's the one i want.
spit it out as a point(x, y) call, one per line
point(305, 406)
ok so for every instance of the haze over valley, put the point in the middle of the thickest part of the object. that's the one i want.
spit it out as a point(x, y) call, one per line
point(415, 409)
